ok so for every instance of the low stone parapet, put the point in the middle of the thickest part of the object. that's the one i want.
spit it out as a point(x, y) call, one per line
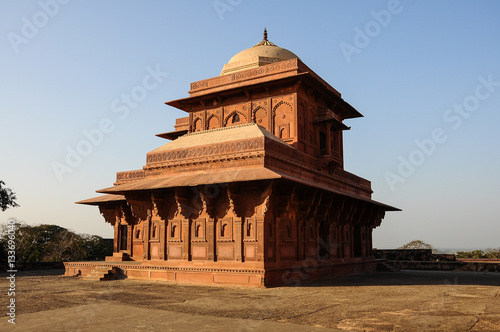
point(447, 266)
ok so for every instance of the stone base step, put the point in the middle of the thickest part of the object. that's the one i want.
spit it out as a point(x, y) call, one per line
point(101, 273)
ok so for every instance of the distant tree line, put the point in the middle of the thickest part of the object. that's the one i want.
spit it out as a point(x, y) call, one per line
point(52, 243)
point(416, 244)
point(488, 253)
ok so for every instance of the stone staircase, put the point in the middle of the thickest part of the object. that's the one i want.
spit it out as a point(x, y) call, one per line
point(101, 273)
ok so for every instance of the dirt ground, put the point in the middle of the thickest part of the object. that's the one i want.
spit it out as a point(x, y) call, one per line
point(389, 301)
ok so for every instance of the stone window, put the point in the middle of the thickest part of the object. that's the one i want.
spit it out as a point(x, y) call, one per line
point(250, 229)
point(197, 125)
point(198, 231)
point(225, 229)
point(213, 122)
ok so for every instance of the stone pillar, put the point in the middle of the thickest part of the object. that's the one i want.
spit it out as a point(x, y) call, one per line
point(116, 239)
point(317, 142)
point(145, 230)
point(163, 248)
point(211, 239)
point(329, 139)
point(186, 239)
point(129, 239)
point(369, 231)
point(260, 239)
point(270, 114)
point(249, 111)
point(299, 238)
point(341, 236)
point(238, 239)
point(351, 237)
point(278, 239)
point(316, 238)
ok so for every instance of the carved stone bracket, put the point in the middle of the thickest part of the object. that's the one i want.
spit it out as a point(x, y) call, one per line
point(140, 208)
point(182, 201)
point(379, 215)
point(159, 205)
point(336, 209)
point(208, 203)
point(266, 194)
point(288, 201)
point(126, 213)
point(347, 211)
point(326, 207)
point(317, 203)
point(357, 217)
point(308, 202)
point(234, 196)
point(109, 214)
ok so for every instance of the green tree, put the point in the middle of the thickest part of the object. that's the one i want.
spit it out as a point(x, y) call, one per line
point(96, 247)
point(493, 253)
point(488, 253)
point(7, 197)
point(52, 243)
point(471, 254)
point(416, 244)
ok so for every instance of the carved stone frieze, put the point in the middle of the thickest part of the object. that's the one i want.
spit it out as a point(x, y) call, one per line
point(265, 70)
point(123, 177)
point(208, 150)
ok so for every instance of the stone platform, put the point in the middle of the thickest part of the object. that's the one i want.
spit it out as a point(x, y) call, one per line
point(219, 273)
point(381, 301)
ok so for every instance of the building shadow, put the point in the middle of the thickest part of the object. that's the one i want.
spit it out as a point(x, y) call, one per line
point(33, 273)
point(403, 278)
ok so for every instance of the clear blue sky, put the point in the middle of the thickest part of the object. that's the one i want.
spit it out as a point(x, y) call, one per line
point(425, 74)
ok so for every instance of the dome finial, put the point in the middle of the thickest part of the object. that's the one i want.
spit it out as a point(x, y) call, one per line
point(265, 34)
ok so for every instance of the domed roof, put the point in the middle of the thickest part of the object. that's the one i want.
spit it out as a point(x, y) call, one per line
point(261, 54)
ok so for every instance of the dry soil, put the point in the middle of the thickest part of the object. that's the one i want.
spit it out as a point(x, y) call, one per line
point(389, 301)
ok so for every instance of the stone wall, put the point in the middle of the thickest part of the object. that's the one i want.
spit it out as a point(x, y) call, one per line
point(412, 255)
point(424, 259)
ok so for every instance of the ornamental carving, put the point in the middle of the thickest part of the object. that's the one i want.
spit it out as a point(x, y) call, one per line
point(182, 201)
point(280, 103)
point(109, 214)
point(140, 209)
point(130, 175)
point(264, 70)
point(208, 150)
point(236, 117)
point(199, 85)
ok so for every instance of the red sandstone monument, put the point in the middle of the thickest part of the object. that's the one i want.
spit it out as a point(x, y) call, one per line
point(252, 189)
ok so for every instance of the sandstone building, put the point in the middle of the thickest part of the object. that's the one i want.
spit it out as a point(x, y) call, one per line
point(251, 190)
